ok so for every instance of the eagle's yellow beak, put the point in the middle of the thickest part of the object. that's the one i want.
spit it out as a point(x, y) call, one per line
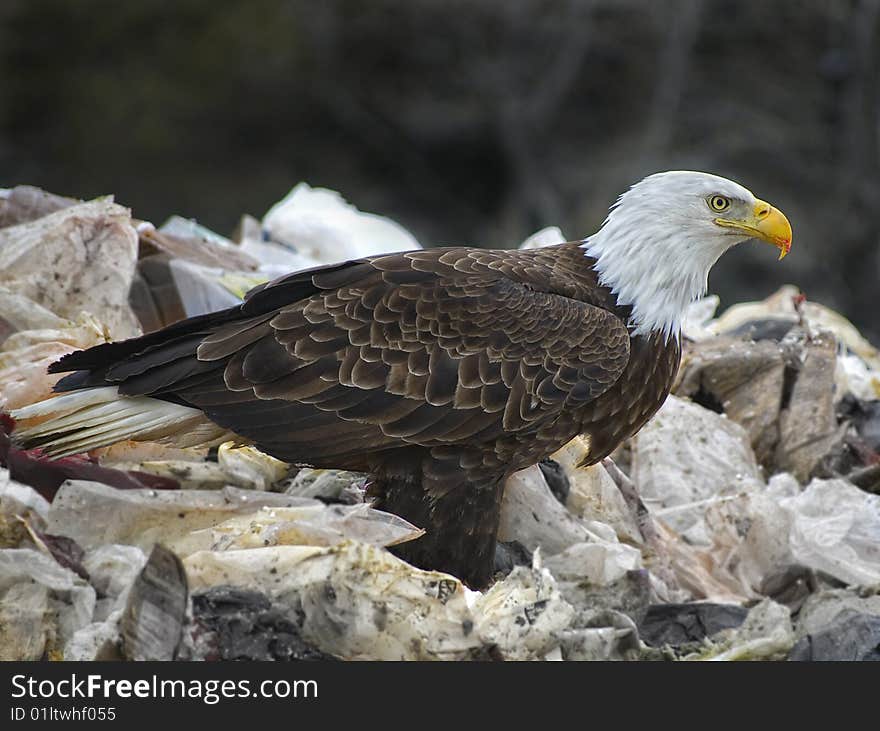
point(766, 223)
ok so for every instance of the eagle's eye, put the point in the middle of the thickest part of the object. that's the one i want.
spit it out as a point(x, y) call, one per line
point(718, 203)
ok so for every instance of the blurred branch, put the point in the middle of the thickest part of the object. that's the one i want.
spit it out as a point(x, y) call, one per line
point(673, 67)
point(544, 103)
point(861, 106)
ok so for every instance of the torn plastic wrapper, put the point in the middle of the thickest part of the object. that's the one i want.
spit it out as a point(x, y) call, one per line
point(310, 525)
point(228, 519)
point(321, 225)
point(549, 236)
point(685, 455)
point(358, 601)
point(244, 467)
point(25, 203)
point(78, 259)
point(836, 529)
point(593, 495)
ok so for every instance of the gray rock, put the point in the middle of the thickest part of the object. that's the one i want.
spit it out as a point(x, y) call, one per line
point(743, 379)
point(679, 624)
point(851, 636)
point(823, 609)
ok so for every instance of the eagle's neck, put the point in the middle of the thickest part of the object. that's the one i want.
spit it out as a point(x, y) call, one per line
point(657, 286)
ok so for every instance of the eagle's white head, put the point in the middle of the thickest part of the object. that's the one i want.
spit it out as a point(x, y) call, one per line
point(663, 235)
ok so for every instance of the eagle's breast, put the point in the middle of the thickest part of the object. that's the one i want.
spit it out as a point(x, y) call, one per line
point(641, 390)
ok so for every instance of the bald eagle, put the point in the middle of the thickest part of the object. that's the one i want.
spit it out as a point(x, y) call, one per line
point(439, 372)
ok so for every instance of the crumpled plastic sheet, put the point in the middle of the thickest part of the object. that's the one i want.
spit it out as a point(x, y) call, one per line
point(25, 356)
point(831, 526)
point(144, 517)
point(25, 203)
point(183, 238)
point(19, 312)
point(686, 455)
point(750, 533)
point(42, 604)
point(523, 614)
point(607, 635)
point(360, 602)
point(274, 258)
point(854, 376)
point(549, 236)
point(327, 485)
point(593, 495)
point(321, 225)
point(532, 515)
point(311, 525)
point(112, 569)
point(204, 289)
point(698, 318)
point(580, 550)
point(228, 519)
point(836, 529)
point(592, 551)
point(599, 562)
point(682, 571)
point(78, 259)
point(93, 641)
point(244, 467)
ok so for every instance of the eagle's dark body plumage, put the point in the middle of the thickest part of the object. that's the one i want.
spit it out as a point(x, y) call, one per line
point(440, 372)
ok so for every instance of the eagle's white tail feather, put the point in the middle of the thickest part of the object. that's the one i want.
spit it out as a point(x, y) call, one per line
point(68, 403)
point(82, 441)
point(81, 418)
point(97, 417)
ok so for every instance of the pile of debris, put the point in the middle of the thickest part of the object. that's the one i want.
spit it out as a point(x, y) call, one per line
point(743, 522)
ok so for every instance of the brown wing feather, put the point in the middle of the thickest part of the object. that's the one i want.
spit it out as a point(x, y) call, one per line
point(430, 348)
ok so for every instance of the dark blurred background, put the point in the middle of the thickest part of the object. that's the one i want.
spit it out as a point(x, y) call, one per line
point(468, 122)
